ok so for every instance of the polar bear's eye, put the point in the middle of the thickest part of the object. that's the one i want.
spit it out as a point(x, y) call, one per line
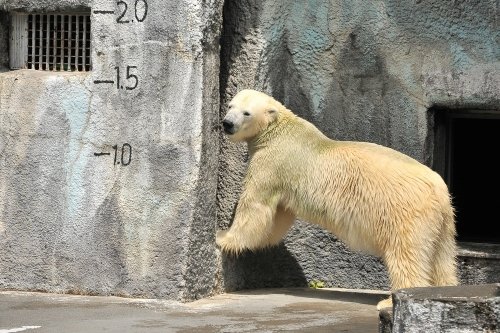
point(246, 113)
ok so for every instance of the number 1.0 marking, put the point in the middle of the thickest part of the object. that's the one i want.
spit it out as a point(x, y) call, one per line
point(125, 146)
point(125, 156)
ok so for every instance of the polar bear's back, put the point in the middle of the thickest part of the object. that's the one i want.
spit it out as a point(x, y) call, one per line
point(365, 193)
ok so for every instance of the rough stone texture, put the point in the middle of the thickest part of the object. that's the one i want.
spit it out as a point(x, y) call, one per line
point(447, 309)
point(308, 253)
point(359, 70)
point(479, 263)
point(71, 221)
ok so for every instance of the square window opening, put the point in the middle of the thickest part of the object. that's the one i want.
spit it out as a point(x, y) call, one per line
point(50, 42)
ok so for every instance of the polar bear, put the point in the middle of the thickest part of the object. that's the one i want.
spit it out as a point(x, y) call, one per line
point(373, 198)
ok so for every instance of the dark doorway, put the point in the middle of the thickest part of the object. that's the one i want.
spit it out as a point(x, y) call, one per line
point(471, 146)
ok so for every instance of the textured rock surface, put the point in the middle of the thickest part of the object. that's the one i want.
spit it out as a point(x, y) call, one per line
point(479, 263)
point(359, 70)
point(73, 221)
point(447, 309)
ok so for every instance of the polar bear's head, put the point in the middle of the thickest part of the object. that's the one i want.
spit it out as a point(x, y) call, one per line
point(249, 113)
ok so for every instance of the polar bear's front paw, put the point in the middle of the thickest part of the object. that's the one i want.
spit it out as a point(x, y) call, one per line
point(227, 243)
point(219, 238)
point(386, 303)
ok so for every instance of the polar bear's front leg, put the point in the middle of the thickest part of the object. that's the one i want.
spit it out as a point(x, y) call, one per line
point(231, 241)
point(282, 222)
point(251, 229)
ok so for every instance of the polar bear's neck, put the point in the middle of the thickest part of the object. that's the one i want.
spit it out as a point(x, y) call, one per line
point(287, 124)
point(280, 126)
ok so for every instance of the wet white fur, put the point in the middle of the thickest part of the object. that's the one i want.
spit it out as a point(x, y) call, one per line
point(373, 198)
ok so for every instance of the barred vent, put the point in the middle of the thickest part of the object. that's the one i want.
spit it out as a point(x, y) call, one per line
point(51, 42)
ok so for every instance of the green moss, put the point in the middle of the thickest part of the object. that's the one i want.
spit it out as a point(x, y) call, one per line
point(315, 284)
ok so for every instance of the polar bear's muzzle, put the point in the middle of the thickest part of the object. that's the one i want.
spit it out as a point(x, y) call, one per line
point(229, 127)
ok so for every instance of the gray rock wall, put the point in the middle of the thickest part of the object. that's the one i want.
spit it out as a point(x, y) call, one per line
point(141, 220)
point(359, 70)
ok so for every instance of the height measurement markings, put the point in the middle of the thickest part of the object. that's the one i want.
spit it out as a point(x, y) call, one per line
point(140, 11)
point(125, 156)
point(131, 78)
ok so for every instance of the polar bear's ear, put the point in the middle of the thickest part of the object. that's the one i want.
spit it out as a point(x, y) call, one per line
point(272, 113)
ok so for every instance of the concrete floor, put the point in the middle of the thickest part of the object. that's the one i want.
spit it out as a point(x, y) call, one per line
point(269, 310)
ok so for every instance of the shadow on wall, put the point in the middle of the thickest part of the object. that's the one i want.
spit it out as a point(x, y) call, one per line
point(274, 267)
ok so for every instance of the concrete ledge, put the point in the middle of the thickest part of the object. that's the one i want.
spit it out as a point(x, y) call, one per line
point(479, 250)
point(478, 263)
point(445, 309)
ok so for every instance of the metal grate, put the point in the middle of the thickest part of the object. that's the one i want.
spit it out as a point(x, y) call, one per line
point(55, 42)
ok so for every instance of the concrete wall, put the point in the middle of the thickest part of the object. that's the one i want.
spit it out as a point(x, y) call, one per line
point(359, 70)
point(71, 221)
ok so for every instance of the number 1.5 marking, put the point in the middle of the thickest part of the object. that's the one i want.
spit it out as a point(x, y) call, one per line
point(129, 76)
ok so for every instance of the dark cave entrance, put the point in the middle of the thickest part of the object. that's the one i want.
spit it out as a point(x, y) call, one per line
point(467, 147)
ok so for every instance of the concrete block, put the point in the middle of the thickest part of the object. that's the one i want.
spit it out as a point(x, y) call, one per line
point(109, 188)
point(447, 309)
point(479, 263)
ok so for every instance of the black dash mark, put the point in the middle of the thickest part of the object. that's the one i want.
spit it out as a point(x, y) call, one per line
point(100, 154)
point(104, 81)
point(104, 11)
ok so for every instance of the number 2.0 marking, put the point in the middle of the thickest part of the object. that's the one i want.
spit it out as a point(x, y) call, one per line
point(140, 13)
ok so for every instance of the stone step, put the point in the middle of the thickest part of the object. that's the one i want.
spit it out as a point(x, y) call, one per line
point(465, 309)
point(473, 306)
point(478, 263)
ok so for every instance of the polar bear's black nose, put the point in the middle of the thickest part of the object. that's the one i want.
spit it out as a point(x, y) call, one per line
point(228, 126)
